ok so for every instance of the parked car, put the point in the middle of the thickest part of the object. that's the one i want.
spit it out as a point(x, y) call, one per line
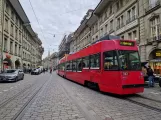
point(35, 72)
point(11, 75)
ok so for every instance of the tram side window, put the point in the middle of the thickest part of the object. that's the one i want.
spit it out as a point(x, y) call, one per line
point(95, 61)
point(74, 65)
point(63, 66)
point(85, 62)
point(110, 60)
point(79, 65)
point(67, 66)
point(70, 64)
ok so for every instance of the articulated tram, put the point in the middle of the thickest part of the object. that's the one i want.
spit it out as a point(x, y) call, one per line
point(112, 64)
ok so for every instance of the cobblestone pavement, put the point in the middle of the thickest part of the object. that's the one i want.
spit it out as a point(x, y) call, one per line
point(14, 106)
point(108, 107)
point(53, 104)
point(61, 99)
point(8, 90)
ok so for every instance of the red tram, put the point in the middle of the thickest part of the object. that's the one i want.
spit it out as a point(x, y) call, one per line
point(114, 65)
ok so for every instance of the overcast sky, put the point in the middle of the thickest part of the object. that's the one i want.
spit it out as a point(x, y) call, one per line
point(57, 17)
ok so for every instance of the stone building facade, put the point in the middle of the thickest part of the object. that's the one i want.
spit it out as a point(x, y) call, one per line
point(20, 45)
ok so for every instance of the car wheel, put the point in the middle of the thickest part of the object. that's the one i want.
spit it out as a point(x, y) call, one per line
point(16, 79)
point(22, 77)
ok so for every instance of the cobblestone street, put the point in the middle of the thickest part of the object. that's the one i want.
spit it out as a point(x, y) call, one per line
point(50, 97)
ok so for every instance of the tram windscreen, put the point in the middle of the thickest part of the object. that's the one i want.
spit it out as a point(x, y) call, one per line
point(129, 60)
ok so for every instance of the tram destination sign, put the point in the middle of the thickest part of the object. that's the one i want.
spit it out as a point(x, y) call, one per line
point(127, 43)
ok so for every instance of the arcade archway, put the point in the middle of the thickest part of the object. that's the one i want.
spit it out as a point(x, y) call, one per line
point(155, 61)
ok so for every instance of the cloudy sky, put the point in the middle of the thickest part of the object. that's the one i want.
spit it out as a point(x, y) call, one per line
point(57, 17)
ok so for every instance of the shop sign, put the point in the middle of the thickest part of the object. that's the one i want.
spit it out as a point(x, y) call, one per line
point(158, 54)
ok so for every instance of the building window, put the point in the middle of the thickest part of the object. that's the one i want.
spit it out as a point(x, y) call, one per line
point(17, 20)
point(11, 47)
point(111, 9)
point(133, 13)
point(15, 49)
point(153, 3)
point(134, 35)
point(16, 32)
point(12, 15)
point(101, 34)
point(111, 25)
point(118, 23)
point(129, 36)
point(106, 29)
point(117, 6)
point(5, 44)
point(11, 29)
point(121, 3)
point(122, 21)
point(96, 37)
point(128, 15)
point(6, 24)
point(155, 29)
point(19, 51)
point(122, 37)
point(7, 7)
point(20, 36)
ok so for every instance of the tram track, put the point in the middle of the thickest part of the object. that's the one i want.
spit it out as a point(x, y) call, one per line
point(5, 102)
point(23, 109)
point(33, 89)
point(149, 103)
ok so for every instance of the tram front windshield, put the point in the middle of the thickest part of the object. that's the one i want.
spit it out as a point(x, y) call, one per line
point(129, 60)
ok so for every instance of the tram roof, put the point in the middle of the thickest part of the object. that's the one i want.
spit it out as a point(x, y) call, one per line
point(107, 37)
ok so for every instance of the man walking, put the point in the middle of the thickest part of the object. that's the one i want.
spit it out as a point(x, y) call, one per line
point(150, 76)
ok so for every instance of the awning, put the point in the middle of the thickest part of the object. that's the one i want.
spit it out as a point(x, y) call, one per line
point(7, 61)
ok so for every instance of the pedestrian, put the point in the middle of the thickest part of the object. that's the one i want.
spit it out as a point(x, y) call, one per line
point(51, 70)
point(150, 74)
point(44, 70)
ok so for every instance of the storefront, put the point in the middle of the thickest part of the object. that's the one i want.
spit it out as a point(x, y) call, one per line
point(155, 61)
point(7, 63)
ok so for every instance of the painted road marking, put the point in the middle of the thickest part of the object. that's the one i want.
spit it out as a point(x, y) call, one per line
point(5, 90)
point(154, 93)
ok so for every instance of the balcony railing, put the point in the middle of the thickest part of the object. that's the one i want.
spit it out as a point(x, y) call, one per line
point(154, 38)
point(152, 7)
point(120, 26)
point(131, 19)
point(112, 30)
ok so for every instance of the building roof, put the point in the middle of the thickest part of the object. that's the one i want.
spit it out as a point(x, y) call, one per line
point(20, 11)
point(101, 6)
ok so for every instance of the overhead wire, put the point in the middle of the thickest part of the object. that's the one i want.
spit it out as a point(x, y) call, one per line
point(37, 19)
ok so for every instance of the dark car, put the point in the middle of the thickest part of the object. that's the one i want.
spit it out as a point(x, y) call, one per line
point(11, 75)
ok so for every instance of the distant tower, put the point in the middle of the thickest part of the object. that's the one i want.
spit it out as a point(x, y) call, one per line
point(49, 53)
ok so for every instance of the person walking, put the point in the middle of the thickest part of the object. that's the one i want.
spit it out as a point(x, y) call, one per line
point(50, 70)
point(150, 74)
